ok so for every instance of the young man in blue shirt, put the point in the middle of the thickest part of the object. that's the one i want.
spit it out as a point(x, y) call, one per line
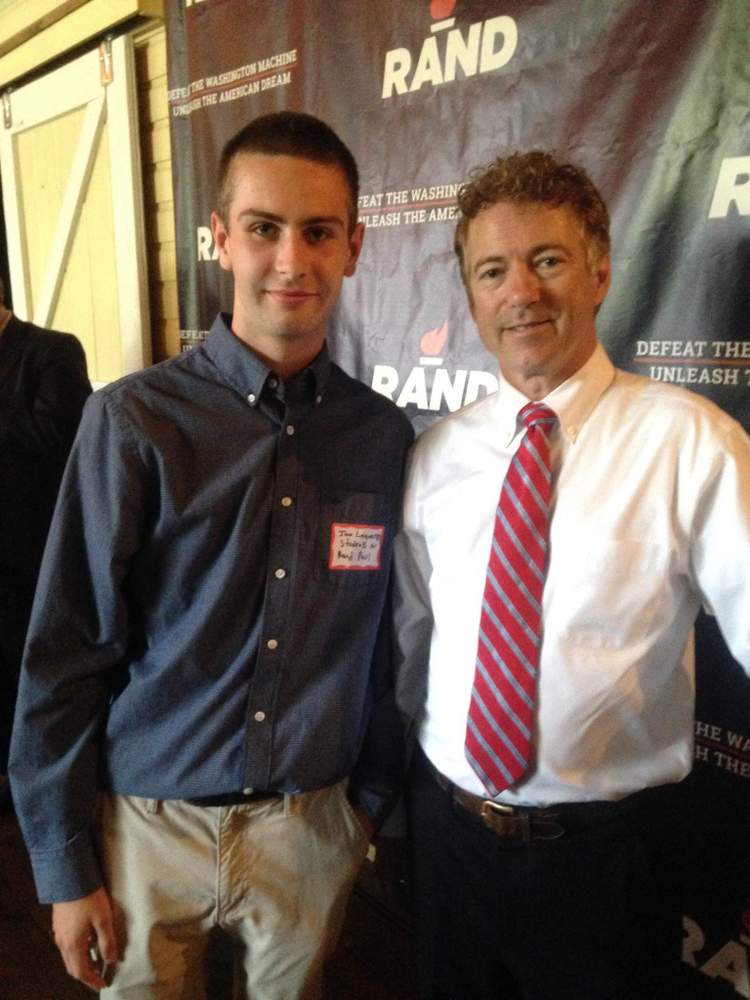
point(205, 701)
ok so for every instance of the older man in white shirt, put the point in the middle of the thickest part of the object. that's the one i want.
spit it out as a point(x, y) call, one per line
point(554, 723)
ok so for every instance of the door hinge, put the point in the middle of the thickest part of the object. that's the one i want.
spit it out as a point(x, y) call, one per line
point(105, 61)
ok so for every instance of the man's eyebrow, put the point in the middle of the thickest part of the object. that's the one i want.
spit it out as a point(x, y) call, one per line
point(316, 220)
point(489, 259)
point(498, 258)
point(544, 247)
point(260, 213)
point(326, 220)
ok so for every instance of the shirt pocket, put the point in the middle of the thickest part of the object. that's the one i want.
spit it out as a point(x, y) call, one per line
point(354, 537)
point(607, 592)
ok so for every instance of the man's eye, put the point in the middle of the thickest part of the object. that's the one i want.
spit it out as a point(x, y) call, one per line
point(267, 230)
point(548, 262)
point(317, 234)
point(490, 274)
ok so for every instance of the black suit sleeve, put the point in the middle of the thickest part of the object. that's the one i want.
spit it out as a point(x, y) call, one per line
point(40, 415)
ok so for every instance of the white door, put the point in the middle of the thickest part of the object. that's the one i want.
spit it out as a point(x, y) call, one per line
point(72, 197)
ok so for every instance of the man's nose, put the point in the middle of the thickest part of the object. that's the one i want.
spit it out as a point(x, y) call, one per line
point(291, 255)
point(522, 285)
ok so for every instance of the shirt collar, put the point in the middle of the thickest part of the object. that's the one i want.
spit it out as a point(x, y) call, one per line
point(573, 400)
point(245, 371)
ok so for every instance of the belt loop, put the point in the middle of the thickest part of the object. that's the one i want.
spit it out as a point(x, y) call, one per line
point(152, 805)
point(288, 805)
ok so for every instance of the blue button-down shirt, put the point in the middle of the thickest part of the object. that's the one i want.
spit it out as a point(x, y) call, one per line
point(210, 605)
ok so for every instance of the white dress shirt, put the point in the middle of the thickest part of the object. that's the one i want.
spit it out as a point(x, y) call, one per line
point(651, 518)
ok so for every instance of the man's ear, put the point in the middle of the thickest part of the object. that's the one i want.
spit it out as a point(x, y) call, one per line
point(470, 301)
point(602, 274)
point(356, 238)
point(221, 238)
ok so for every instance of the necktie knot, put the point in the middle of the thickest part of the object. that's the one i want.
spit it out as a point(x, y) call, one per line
point(536, 414)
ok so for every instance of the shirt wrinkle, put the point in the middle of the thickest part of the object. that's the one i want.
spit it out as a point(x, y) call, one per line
point(576, 399)
point(249, 642)
point(651, 518)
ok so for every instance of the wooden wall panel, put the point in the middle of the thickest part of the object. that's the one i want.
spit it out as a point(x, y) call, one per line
point(151, 73)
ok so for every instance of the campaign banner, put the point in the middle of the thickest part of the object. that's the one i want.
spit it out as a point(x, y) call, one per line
point(652, 99)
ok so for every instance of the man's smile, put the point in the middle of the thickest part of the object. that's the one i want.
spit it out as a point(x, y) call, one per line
point(289, 296)
point(527, 325)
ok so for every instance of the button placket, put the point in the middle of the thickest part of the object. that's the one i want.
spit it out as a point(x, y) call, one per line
point(270, 663)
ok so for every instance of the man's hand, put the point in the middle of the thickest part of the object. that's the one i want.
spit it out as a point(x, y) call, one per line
point(83, 925)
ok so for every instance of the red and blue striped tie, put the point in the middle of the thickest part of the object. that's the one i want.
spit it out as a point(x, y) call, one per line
point(501, 714)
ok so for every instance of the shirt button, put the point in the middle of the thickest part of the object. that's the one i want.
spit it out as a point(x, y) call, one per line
point(318, 400)
point(273, 382)
point(290, 429)
point(286, 501)
point(259, 716)
point(251, 398)
point(272, 644)
point(279, 573)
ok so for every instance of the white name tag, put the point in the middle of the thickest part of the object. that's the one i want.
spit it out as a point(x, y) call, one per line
point(356, 546)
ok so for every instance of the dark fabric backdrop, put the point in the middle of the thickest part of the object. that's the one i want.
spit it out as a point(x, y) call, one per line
point(653, 98)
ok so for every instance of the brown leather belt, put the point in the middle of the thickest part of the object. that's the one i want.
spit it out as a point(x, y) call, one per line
point(531, 823)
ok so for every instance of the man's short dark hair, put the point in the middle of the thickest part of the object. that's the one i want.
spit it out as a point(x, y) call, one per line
point(534, 178)
point(287, 133)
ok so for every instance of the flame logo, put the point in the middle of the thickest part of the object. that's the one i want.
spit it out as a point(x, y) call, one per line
point(442, 8)
point(432, 342)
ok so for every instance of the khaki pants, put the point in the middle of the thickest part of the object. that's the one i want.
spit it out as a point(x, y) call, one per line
point(274, 874)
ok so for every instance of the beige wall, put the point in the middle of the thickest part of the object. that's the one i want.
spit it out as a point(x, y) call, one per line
point(151, 73)
point(32, 32)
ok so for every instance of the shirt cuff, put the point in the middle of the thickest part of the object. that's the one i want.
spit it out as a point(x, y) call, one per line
point(69, 873)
